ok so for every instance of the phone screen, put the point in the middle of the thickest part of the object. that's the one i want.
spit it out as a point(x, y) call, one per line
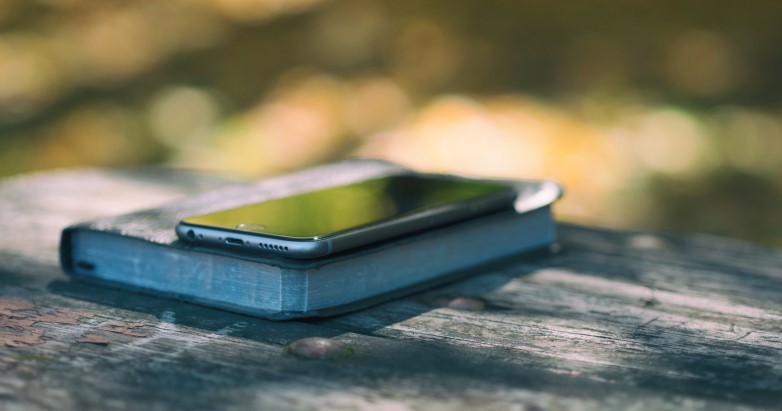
point(333, 210)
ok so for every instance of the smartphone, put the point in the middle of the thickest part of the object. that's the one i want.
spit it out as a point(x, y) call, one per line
point(319, 223)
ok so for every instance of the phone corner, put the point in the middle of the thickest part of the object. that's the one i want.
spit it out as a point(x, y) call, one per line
point(312, 249)
point(183, 231)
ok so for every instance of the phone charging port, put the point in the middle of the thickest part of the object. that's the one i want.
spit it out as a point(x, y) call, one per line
point(234, 241)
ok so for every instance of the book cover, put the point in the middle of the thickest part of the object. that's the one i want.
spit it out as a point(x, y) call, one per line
point(140, 251)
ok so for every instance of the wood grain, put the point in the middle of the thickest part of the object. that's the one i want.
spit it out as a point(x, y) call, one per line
point(616, 320)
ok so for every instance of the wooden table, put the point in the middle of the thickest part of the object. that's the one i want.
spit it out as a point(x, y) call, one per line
point(616, 320)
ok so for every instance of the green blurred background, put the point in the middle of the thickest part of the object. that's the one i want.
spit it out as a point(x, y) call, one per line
point(654, 114)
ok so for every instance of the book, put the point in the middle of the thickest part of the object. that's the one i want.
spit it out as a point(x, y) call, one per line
point(140, 251)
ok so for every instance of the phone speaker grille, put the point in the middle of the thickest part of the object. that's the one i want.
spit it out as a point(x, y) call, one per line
point(273, 247)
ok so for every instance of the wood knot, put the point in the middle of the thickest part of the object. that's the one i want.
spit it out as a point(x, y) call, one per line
point(317, 348)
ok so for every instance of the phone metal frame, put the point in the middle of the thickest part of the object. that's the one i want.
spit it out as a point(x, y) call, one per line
point(315, 247)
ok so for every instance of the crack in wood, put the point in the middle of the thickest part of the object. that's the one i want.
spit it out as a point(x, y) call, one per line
point(648, 322)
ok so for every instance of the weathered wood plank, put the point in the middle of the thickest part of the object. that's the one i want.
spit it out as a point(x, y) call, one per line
point(617, 320)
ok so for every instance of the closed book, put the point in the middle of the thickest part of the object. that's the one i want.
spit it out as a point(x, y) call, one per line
point(141, 251)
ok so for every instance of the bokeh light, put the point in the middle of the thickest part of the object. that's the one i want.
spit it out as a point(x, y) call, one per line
point(651, 114)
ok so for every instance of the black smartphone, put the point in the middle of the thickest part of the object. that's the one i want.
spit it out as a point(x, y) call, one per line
point(318, 223)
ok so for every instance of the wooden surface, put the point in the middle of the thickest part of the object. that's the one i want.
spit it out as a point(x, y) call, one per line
point(616, 320)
